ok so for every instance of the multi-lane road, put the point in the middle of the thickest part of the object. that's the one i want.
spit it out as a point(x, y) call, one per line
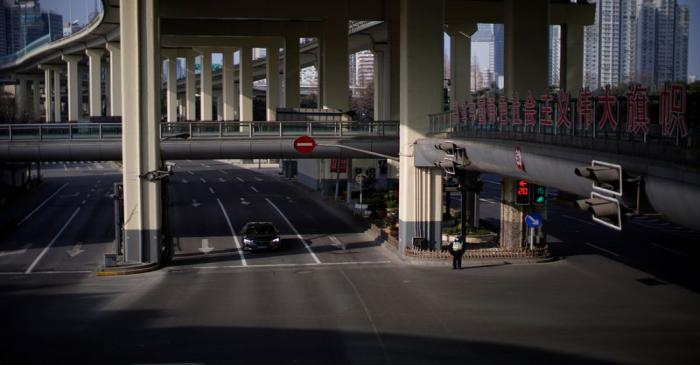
point(332, 295)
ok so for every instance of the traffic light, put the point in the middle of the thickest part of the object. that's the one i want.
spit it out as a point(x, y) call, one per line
point(606, 177)
point(604, 209)
point(539, 194)
point(522, 192)
point(455, 157)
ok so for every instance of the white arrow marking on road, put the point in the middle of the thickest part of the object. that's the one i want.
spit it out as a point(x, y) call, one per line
point(221, 179)
point(205, 246)
point(184, 181)
point(190, 172)
point(75, 251)
point(195, 204)
point(15, 252)
point(245, 202)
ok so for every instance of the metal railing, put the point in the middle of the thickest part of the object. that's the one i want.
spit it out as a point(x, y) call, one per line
point(199, 130)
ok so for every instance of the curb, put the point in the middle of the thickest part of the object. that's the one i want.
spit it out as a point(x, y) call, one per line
point(473, 263)
point(128, 270)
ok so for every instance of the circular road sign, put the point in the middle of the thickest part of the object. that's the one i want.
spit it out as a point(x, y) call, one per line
point(304, 144)
point(534, 220)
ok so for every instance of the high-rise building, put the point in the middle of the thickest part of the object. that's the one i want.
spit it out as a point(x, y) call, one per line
point(259, 53)
point(364, 68)
point(22, 22)
point(53, 25)
point(609, 56)
point(483, 56)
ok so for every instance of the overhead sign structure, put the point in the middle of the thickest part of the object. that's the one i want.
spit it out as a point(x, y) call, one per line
point(304, 144)
point(522, 192)
point(534, 220)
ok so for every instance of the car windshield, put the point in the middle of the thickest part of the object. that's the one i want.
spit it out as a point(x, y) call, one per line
point(261, 229)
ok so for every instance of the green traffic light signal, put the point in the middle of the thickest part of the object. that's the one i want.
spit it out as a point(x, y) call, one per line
point(539, 194)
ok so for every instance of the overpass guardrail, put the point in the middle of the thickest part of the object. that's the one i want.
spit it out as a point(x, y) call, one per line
point(199, 130)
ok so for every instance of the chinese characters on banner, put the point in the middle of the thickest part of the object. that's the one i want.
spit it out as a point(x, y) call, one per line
point(584, 112)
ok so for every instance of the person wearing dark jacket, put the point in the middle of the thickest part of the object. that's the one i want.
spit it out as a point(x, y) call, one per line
point(457, 250)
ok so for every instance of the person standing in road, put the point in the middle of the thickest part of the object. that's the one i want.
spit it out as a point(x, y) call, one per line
point(457, 250)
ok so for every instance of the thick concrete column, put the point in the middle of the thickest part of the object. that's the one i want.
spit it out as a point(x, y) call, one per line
point(48, 88)
point(394, 54)
point(334, 64)
point(218, 95)
point(205, 96)
point(526, 46)
point(73, 87)
point(115, 76)
point(141, 144)
point(190, 97)
point(246, 84)
point(107, 87)
point(171, 92)
point(36, 100)
point(95, 81)
point(382, 83)
point(227, 84)
point(460, 61)
point(512, 217)
point(57, 95)
point(572, 57)
point(291, 72)
point(420, 195)
point(273, 80)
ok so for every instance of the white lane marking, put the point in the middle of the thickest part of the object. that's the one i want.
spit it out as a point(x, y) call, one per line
point(223, 172)
point(46, 249)
point(601, 249)
point(669, 249)
point(578, 220)
point(16, 252)
point(258, 179)
point(239, 179)
point(202, 180)
point(211, 190)
point(221, 179)
point(233, 233)
point(254, 189)
point(42, 204)
point(47, 272)
point(190, 172)
point(295, 231)
point(294, 265)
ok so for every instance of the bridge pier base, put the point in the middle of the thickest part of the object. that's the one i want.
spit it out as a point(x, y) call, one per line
point(512, 216)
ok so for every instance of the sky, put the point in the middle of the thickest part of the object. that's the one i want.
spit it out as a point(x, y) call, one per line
point(79, 9)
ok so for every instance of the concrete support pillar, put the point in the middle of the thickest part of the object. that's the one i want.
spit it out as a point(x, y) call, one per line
point(73, 87)
point(171, 93)
point(205, 96)
point(95, 81)
point(245, 74)
point(57, 95)
point(48, 88)
point(334, 64)
point(394, 33)
point(227, 85)
point(526, 46)
point(512, 217)
point(273, 80)
point(460, 61)
point(382, 83)
point(218, 95)
point(190, 97)
point(572, 58)
point(108, 92)
point(21, 98)
point(36, 100)
point(141, 87)
point(115, 76)
point(291, 72)
point(420, 196)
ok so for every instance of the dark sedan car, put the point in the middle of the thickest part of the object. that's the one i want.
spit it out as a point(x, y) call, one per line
point(260, 236)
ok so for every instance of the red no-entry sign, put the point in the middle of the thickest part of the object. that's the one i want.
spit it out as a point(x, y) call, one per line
point(304, 144)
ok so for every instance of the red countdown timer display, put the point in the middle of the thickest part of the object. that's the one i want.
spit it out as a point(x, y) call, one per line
point(522, 192)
